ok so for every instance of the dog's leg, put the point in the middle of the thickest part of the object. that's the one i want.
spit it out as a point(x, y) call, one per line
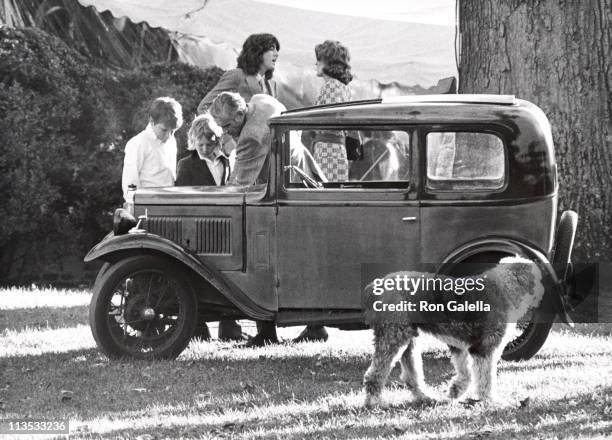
point(412, 370)
point(461, 361)
point(484, 372)
point(485, 357)
point(483, 376)
point(388, 339)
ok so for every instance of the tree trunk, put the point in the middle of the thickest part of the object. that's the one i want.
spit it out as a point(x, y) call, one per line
point(556, 54)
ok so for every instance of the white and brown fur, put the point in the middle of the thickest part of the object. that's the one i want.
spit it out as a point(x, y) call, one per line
point(512, 287)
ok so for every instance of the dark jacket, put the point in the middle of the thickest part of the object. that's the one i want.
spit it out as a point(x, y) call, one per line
point(236, 80)
point(193, 171)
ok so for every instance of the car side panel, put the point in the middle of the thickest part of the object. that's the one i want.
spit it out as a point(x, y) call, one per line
point(258, 279)
point(444, 228)
point(322, 249)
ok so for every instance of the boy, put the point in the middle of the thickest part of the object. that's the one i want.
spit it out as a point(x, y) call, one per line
point(150, 156)
point(207, 164)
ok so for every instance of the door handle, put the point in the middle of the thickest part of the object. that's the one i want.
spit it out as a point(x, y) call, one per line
point(408, 219)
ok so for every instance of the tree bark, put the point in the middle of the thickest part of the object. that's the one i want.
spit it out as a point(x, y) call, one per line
point(556, 54)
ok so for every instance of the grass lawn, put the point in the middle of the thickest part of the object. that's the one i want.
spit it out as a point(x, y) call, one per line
point(50, 368)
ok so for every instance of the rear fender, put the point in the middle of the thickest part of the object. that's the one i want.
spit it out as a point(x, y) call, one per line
point(112, 247)
point(555, 291)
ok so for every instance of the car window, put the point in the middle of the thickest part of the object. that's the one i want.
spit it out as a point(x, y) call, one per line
point(464, 161)
point(346, 159)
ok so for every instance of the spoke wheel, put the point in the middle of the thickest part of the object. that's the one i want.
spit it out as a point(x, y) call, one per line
point(143, 307)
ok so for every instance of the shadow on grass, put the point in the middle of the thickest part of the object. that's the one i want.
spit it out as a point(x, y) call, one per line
point(584, 416)
point(104, 388)
point(285, 392)
point(43, 318)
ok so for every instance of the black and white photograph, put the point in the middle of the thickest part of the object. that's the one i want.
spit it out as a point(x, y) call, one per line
point(291, 219)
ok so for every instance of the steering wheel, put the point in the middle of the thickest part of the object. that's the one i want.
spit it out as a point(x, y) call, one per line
point(308, 181)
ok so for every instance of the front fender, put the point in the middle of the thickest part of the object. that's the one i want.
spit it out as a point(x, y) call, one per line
point(112, 245)
point(554, 295)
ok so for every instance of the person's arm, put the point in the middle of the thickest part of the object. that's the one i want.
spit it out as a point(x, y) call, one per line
point(251, 154)
point(308, 138)
point(229, 82)
point(181, 174)
point(173, 154)
point(131, 166)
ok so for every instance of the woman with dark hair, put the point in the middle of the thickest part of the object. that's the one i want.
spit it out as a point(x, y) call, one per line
point(333, 66)
point(253, 74)
point(328, 147)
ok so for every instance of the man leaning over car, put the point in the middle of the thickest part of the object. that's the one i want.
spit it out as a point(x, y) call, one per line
point(247, 123)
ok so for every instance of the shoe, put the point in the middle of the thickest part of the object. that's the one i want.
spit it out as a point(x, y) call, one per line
point(312, 333)
point(265, 336)
point(202, 332)
point(230, 330)
point(260, 341)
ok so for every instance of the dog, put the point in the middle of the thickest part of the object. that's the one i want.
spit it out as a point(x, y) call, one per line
point(475, 339)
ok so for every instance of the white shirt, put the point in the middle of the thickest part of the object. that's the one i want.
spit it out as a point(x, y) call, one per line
point(216, 167)
point(148, 161)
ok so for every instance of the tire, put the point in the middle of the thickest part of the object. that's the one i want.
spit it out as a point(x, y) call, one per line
point(144, 308)
point(101, 272)
point(564, 243)
point(529, 340)
point(531, 335)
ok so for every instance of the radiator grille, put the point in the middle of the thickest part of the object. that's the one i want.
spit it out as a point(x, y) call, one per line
point(213, 235)
point(168, 227)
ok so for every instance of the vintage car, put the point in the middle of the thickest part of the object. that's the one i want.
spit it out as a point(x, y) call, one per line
point(439, 179)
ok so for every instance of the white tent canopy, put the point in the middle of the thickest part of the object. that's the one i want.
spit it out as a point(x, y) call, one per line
point(401, 52)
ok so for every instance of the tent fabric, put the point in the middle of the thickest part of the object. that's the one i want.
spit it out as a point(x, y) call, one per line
point(384, 53)
point(101, 37)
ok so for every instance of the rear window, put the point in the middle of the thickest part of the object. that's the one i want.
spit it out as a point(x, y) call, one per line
point(465, 161)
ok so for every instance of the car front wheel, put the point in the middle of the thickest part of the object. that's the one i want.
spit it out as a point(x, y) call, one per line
point(143, 307)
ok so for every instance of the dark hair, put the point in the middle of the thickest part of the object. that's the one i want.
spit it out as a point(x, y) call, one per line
point(336, 58)
point(167, 111)
point(254, 47)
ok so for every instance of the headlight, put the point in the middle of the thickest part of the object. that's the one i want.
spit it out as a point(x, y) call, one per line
point(123, 221)
point(129, 199)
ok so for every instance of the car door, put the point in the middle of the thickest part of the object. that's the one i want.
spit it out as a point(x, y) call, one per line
point(330, 237)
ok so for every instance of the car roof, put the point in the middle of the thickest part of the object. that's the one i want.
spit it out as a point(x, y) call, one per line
point(450, 108)
point(463, 98)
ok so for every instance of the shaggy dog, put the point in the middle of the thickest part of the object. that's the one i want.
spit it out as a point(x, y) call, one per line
point(476, 339)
